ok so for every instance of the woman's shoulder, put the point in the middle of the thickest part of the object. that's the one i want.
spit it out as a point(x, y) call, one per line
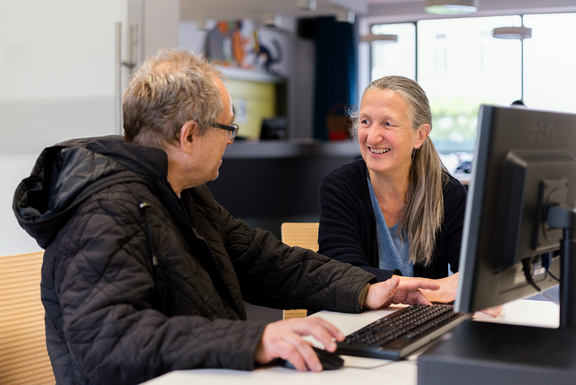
point(354, 170)
point(453, 190)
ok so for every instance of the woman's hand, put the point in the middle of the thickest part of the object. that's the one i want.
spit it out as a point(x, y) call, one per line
point(395, 290)
point(491, 312)
point(447, 291)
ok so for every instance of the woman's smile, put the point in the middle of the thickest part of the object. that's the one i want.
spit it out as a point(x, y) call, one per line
point(378, 150)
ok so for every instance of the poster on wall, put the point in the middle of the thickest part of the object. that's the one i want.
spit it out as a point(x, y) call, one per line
point(239, 43)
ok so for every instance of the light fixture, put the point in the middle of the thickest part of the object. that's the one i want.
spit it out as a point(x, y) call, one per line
point(345, 15)
point(512, 33)
point(384, 38)
point(450, 7)
point(306, 5)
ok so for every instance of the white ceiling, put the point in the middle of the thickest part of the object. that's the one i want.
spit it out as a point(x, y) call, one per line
point(383, 10)
point(192, 10)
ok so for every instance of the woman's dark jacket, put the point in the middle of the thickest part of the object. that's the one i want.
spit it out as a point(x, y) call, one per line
point(348, 226)
point(137, 282)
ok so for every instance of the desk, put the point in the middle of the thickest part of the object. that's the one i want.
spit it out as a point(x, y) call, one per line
point(521, 312)
point(464, 178)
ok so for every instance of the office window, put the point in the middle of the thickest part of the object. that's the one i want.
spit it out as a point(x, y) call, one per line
point(394, 58)
point(550, 62)
point(460, 66)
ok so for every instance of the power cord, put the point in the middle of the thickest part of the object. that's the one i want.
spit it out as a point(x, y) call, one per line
point(526, 265)
point(552, 275)
point(546, 260)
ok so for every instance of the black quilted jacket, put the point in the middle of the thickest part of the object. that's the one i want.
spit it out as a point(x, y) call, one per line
point(137, 282)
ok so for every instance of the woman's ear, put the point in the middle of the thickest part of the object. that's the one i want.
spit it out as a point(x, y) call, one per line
point(423, 133)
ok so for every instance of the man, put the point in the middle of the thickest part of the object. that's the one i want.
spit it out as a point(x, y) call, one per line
point(144, 273)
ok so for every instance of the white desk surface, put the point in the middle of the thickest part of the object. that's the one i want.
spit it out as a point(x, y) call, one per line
point(366, 370)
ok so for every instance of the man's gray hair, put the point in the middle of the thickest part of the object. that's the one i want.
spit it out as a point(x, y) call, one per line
point(171, 88)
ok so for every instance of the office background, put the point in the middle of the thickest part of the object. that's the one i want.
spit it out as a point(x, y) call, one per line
point(58, 75)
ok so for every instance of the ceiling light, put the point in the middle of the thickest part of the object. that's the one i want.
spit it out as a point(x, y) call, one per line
point(512, 33)
point(450, 7)
point(306, 5)
point(345, 15)
point(384, 38)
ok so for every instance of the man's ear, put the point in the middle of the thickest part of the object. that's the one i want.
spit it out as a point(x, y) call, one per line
point(423, 133)
point(188, 133)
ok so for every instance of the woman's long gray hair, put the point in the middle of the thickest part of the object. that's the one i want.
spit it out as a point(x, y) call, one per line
point(424, 211)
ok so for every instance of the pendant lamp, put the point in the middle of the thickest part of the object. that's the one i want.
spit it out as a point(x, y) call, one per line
point(450, 7)
point(512, 33)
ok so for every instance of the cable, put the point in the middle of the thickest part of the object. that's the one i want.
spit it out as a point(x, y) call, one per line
point(386, 363)
point(526, 268)
point(552, 275)
point(546, 260)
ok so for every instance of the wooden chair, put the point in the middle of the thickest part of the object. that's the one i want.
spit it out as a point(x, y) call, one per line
point(23, 355)
point(303, 235)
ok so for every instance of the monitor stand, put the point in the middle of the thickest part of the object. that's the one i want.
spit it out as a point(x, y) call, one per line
point(489, 353)
point(563, 217)
point(498, 354)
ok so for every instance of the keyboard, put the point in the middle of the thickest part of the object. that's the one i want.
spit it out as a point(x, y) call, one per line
point(398, 334)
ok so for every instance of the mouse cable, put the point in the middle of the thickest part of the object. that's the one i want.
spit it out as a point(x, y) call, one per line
point(386, 363)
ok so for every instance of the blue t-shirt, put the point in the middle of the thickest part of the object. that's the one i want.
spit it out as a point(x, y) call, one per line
point(392, 252)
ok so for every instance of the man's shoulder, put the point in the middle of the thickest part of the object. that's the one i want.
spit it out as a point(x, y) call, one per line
point(126, 191)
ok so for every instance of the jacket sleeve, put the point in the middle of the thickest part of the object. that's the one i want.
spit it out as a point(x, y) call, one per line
point(276, 275)
point(454, 209)
point(105, 281)
point(344, 226)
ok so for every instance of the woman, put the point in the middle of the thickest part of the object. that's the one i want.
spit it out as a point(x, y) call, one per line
point(396, 211)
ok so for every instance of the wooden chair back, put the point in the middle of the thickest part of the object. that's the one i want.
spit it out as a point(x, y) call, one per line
point(23, 355)
point(303, 235)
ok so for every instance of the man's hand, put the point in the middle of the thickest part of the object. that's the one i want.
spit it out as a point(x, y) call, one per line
point(283, 339)
point(394, 291)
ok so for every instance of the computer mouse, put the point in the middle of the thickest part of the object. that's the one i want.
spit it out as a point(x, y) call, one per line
point(329, 361)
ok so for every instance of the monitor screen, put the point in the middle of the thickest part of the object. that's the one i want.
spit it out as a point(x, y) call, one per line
point(273, 128)
point(524, 163)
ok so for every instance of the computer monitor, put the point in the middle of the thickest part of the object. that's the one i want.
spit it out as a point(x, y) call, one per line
point(523, 186)
point(524, 164)
point(273, 128)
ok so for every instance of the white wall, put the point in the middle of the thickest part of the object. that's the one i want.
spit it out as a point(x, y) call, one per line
point(57, 82)
point(161, 22)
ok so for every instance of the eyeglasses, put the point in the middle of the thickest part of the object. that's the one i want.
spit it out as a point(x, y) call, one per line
point(232, 128)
